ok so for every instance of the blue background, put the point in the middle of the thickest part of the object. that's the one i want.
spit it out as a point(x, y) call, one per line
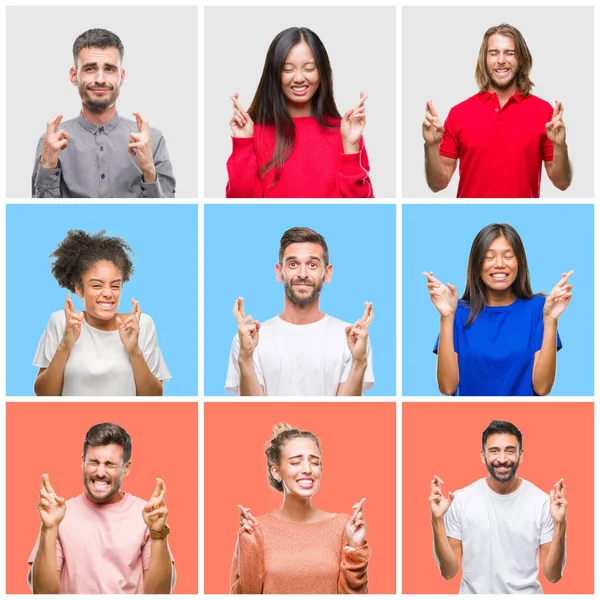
point(241, 248)
point(165, 281)
point(557, 238)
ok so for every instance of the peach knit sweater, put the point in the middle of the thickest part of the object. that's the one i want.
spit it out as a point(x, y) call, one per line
point(283, 557)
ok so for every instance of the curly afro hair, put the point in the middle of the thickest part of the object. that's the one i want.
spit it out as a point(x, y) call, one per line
point(79, 251)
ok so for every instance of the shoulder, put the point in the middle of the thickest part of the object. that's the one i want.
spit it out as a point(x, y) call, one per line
point(534, 101)
point(471, 490)
point(535, 304)
point(334, 323)
point(467, 105)
point(146, 320)
point(534, 492)
point(134, 501)
point(131, 125)
point(57, 319)
point(271, 323)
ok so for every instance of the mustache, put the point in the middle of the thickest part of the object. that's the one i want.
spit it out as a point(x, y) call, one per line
point(306, 281)
point(99, 87)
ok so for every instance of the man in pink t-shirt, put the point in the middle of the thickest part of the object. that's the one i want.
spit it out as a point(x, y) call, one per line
point(104, 541)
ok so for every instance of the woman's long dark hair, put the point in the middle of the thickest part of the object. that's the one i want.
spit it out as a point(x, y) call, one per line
point(269, 106)
point(475, 290)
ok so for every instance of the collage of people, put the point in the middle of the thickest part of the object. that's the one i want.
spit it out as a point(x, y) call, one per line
point(299, 299)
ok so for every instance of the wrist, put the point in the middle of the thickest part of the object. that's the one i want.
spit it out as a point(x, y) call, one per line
point(350, 148)
point(435, 145)
point(560, 526)
point(447, 318)
point(149, 175)
point(135, 353)
point(64, 346)
point(49, 529)
point(246, 359)
point(49, 162)
point(550, 322)
point(359, 364)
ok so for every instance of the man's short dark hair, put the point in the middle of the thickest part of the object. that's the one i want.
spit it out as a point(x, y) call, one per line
point(501, 427)
point(300, 235)
point(97, 38)
point(104, 434)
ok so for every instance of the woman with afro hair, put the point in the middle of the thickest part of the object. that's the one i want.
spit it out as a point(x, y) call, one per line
point(97, 351)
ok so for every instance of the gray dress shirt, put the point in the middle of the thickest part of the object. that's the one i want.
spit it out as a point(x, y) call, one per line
point(97, 164)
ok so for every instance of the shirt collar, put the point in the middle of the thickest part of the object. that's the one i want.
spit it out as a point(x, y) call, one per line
point(485, 96)
point(92, 128)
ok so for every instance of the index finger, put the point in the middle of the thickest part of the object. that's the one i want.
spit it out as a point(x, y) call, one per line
point(135, 311)
point(560, 485)
point(141, 123)
point(558, 109)
point(238, 309)
point(236, 103)
point(438, 480)
point(53, 123)
point(363, 97)
point(368, 314)
point(431, 108)
point(46, 483)
point(565, 278)
point(430, 277)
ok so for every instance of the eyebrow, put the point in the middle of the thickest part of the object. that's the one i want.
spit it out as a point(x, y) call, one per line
point(102, 280)
point(505, 250)
point(506, 448)
point(95, 64)
point(308, 62)
point(302, 456)
point(316, 258)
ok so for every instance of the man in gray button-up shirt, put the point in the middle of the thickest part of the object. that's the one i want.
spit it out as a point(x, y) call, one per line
point(101, 154)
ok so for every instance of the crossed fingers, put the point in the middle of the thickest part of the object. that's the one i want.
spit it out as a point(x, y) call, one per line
point(247, 520)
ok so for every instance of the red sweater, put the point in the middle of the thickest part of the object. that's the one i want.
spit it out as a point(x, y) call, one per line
point(316, 168)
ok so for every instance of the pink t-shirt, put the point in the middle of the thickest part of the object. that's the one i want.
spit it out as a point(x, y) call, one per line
point(102, 548)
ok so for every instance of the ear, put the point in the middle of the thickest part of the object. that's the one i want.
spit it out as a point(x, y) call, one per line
point(482, 453)
point(122, 76)
point(82, 461)
point(278, 273)
point(73, 75)
point(328, 273)
point(521, 456)
point(275, 472)
point(127, 468)
point(79, 290)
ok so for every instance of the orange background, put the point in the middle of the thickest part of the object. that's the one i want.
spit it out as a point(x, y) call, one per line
point(48, 438)
point(444, 439)
point(358, 442)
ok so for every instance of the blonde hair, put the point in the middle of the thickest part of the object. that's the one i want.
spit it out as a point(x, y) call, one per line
point(283, 433)
point(524, 59)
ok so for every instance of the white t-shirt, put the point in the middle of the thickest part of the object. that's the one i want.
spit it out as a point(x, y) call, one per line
point(98, 364)
point(501, 535)
point(299, 360)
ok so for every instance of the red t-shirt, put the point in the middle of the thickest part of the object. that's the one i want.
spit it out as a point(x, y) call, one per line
point(500, 149)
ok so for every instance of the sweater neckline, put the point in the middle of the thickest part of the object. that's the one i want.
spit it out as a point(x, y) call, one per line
point(301, 523)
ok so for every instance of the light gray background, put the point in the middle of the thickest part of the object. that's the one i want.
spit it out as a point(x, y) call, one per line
point(161, 79)
point(361, 44)
point(440, 46)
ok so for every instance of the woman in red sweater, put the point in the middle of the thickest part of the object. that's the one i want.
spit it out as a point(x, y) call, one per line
point(299, 549)
point(292, 142)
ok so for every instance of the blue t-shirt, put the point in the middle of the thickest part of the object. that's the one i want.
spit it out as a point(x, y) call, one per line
point(496, 351)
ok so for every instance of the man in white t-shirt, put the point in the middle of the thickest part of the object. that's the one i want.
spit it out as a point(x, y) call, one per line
point(302, 351)
point(496, 526)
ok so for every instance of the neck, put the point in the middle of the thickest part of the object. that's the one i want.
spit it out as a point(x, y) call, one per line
point(99, 117)
point(301, 315)
point(110, 500)
point(110, 325)
point(500, 297)
point(299, 110)
point(295, 508)
point(500, 487)
point(504, 94)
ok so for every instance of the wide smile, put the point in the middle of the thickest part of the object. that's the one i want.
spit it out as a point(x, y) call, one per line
point(107, 305)
point(500, 277)
point(306, 483)
point(502, 71)
point(299, 90)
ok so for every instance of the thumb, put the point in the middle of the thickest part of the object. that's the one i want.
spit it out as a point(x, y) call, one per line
point(257, 324)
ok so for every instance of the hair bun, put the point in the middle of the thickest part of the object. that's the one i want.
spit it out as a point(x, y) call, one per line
point(280, 428)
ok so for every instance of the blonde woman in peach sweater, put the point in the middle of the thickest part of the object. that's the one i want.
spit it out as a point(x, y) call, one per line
point(299, 549)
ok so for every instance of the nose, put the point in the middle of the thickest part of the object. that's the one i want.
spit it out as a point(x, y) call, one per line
point(100, 75)
point(298, 76)
point(100, 470)
point(107, 293)
point(303, 271)
point(306, 470)
point(499, 261)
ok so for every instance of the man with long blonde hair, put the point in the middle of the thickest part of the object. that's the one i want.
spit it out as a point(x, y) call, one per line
point(502, 134)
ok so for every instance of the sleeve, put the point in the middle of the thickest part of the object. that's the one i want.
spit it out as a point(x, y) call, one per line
point(369, 378)
point(546, 145)
point(59, 559)
point(353, 577)
point(248, 565)
point(45, 183)
point(547, 524)
point(452, 520)
point(48, 343)
point(242, 170)
point(151, 351)
point(450, 146)
point(232, 383)
point(164, 186)
point(539, 328)
point(353, 177)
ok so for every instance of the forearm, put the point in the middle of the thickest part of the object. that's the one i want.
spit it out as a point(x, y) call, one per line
point(353, 386)
point(561, 173)
point(46, 576)
point(444, 554)
point(50, 382)
point(447, 365)
point(436, 174)
point(146, 383)
point(544, 370)
point(157, 578)
point(249, 384)
point(557, 554)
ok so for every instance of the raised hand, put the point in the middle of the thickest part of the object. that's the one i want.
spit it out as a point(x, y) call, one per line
point(248, 329)
point(129, 329)
point(555, 128)
point(443, 297)
point(242, 126)
point(140, 145)
point(356, 527)
point(559, 297)
point(437, 503)
point(155, 512)
point(54, 141)
point(558, 501)
point(73, 323)
point(247, 520)
point(433, 130)
point(51, 508)
point(357, 334)
point(352, 126)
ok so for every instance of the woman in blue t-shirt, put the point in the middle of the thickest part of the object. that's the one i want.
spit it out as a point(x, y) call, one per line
point(499, 339)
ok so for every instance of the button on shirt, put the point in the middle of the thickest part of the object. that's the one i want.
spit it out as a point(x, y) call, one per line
point(500, 149)
point(97, 164)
